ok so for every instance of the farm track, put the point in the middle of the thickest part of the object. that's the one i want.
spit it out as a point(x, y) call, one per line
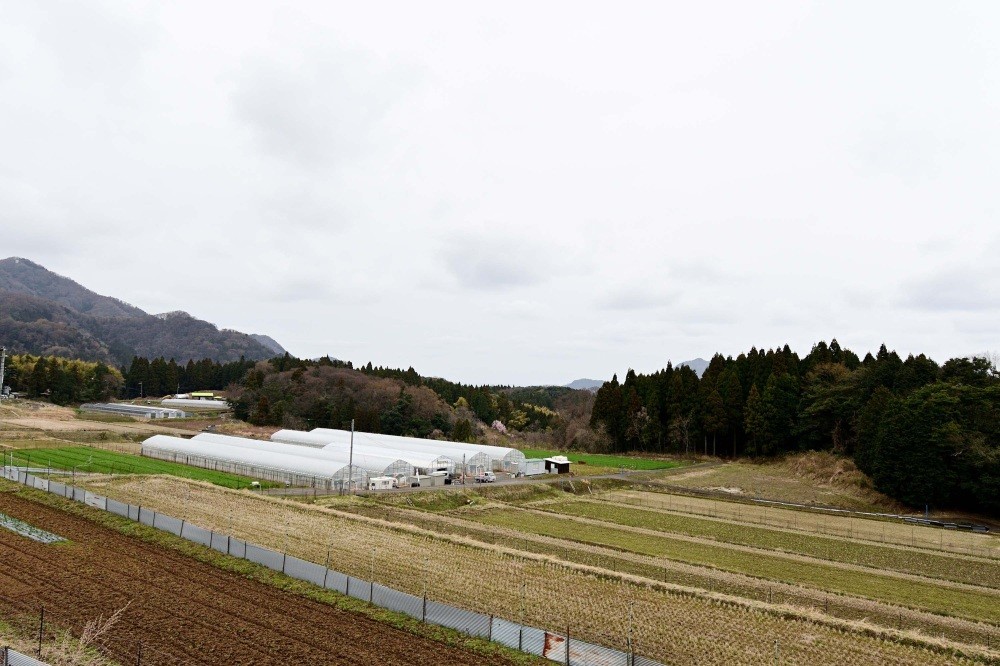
point(178, 606)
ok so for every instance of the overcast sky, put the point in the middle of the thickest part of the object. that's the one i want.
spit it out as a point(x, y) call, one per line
point(516, 192)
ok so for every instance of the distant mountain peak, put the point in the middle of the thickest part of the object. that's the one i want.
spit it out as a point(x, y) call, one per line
point(24, 276)
point(172, 313)
point(699, 365)
point(585, 384)
point(46, 313)
point(270, 343)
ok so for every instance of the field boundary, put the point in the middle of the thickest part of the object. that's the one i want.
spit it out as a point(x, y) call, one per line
point(561, 648)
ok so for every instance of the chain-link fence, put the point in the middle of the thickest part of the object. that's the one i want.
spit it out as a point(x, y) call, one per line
point(11, 657)
point(561, 647)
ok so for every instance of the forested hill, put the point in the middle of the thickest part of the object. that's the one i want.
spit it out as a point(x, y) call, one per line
point(925, 433)
point(22, 276)
point(46, 314)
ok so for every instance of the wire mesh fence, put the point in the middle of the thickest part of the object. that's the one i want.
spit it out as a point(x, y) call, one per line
point(57, 636)
point(559, 646)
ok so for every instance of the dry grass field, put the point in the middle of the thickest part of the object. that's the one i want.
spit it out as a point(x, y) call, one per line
point(605, 593)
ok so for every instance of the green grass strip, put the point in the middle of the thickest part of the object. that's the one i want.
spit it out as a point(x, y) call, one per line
point(913, 594)
point(973, 572)
point(90, 460)
point(603, 460)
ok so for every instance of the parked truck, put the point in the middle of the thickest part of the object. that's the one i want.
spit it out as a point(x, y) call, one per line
point(485, 477)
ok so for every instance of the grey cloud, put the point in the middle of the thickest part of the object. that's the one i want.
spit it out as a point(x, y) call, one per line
point(636, 297)
point(314, 114)
point(958, 289)
point(95, 46)
point(491, 263)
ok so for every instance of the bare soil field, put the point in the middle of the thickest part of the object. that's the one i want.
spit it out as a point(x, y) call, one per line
point(185, 611)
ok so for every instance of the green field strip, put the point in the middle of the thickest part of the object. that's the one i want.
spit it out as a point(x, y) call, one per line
point(942, 600)
point(99, 461)
point(604, 460)
point(969, 571)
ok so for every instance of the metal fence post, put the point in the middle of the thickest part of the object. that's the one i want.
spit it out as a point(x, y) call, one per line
point(567, 645)
point(41, 628)
point(138, 656)
point(423, 617)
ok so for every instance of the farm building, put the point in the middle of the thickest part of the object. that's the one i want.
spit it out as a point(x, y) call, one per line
point(137, 411)
point(534, 466)
point(383, 464)
point(187, 403)
point(265, 465)
point(501, 457)
point(557, 465)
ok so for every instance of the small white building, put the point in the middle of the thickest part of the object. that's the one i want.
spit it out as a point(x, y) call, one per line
point(534, 466)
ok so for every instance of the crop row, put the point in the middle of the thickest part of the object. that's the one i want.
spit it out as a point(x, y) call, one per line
point(972, 571)
point(617, 563)
point(850, 527)
point(924, 595)
point(85, 459)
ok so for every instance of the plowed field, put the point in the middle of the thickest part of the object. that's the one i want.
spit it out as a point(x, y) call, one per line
point(184, 611)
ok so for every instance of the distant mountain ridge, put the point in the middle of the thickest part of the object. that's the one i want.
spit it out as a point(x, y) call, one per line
point(24, 276)
point(42, 312)
point(699, 365)
point(585, 384)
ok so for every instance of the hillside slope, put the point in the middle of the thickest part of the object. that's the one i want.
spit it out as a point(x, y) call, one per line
point(44, 313)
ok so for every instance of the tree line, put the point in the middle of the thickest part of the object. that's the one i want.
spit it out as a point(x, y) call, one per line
point(63, 381)
point(516, 408)
point(925, 433)
point(161, 377)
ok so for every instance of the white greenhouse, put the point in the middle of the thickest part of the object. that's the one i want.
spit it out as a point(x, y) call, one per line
point(503, 458)
point(425, 461)
point(182, 403)
point(376, 463)
point(469, 456)
point(332, 474)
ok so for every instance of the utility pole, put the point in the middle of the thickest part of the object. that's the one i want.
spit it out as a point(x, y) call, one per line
point(3, 361)
point(140, 389)
point(350, 460)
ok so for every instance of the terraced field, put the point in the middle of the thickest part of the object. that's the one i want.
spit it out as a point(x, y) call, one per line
point(982, 572)
point(959, 601)
point(819, 522)
point(517, 571)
